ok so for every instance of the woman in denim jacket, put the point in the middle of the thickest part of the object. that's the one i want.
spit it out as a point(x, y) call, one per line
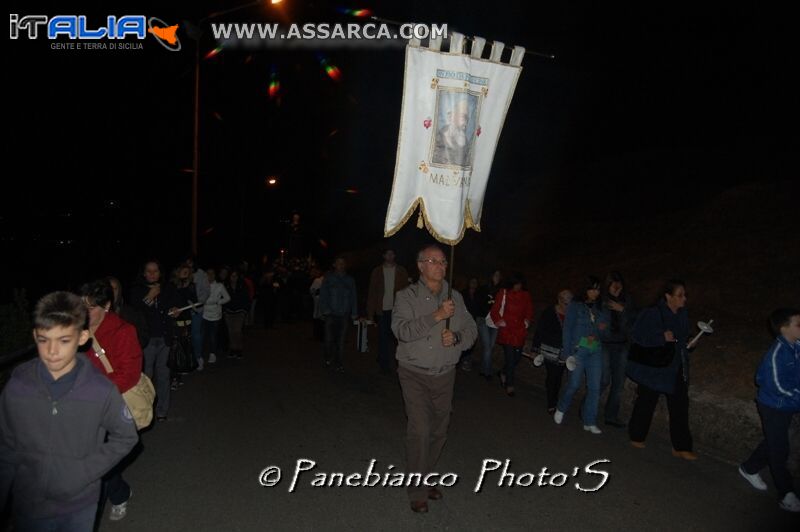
point(585, 322)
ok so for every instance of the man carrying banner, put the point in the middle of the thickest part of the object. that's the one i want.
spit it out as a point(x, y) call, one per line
point(453, 109)
point(427, 355)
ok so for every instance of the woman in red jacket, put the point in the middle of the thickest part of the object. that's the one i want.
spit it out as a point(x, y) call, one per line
point(124, 354)
point(512, 312)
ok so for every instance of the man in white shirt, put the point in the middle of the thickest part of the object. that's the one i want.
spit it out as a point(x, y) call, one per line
point(384, 282)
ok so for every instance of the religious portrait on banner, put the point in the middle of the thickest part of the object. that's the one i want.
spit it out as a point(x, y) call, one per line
point(456, 122)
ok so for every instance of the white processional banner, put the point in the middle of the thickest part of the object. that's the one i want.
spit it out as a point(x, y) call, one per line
point(454, 106)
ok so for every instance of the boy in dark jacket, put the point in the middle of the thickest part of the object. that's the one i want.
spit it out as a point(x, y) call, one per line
point(55, 414)
point(778, 400)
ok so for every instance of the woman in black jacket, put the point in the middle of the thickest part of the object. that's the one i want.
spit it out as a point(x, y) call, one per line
point(616, 343)
point(665, 324)
point(129, 313)
point(157, 301)
point(236, 313)
point(549, 333)
point(183, 359)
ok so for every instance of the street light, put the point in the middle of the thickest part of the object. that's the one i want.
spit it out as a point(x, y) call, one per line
point(196, 32)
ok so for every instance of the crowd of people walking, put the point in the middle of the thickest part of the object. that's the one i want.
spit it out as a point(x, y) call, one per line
point(181, 321)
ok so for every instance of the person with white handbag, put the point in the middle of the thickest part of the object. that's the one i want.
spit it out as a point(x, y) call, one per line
point(120, 360)
point(487, 331)
point(549, 335)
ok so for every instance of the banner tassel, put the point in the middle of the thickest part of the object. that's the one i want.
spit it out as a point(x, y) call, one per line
point(420, 222)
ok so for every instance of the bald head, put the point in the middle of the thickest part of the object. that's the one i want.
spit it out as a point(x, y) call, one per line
point(423, 253)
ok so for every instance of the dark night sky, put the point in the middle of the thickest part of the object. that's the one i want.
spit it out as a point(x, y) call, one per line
point(638, 94)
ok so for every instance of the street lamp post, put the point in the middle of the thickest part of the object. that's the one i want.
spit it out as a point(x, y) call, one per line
point(196, 147)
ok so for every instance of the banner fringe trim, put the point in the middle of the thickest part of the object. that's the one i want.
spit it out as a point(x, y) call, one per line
point(469, 223)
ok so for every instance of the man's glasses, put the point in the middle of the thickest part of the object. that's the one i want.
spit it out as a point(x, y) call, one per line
point(434, 262)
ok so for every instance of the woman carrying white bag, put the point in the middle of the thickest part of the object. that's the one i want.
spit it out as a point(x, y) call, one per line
point(117, 354)
point(487, 330)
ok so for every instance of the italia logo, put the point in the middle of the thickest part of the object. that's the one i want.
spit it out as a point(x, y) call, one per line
point(76, 27)
point(164, 34)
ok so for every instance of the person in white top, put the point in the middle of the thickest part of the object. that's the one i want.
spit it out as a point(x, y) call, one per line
point(316, 285)
point(384, 282)
point(212, 314)
point(201, 287)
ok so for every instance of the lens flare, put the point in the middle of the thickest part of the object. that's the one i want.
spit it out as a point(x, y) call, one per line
point(213, 53)
point(360, 13)
point(332, 71)
point(274, 84)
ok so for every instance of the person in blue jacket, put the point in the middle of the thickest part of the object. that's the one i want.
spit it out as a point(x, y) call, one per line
point(584, 327)
point(778, 400)
point(338, 306)
point(666, 322)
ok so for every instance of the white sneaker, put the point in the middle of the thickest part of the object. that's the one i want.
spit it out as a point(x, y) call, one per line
point(118, 511)
point(593, 429)
point(199, 364)
point(755, 479)
point(212, 358)
point(558, 417)
point(790, 503)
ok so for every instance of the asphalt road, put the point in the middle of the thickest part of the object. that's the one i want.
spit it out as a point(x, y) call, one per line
point(200, 469)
